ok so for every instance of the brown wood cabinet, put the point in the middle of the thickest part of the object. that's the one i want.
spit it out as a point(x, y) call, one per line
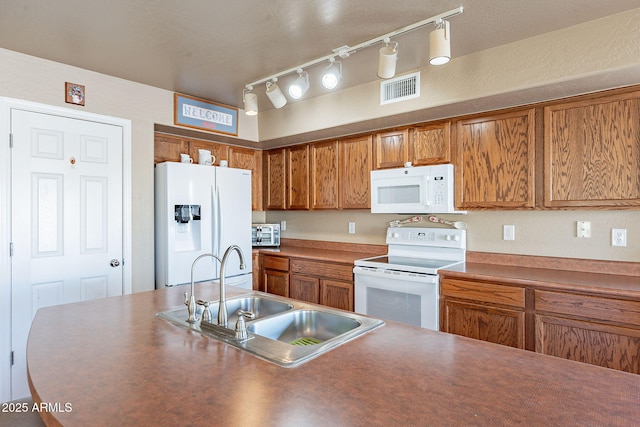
point(430, 144)
point(324, 175)
point(496, 161)
point(591, 150)
point(591, 329)
point(297, 170)
point(391, 149)
point(355, 158)
point(247, 158)
point(274, 179)
point(314, 281)
point(486, 311)
point(275, 275)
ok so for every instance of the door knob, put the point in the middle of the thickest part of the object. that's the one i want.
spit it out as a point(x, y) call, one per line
point(114, 263)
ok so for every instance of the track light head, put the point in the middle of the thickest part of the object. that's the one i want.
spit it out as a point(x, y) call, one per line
point(275, 95)
point(387, 57)
point(250, 100)
point(439, 44)
point(300, 85)
point(332, 74)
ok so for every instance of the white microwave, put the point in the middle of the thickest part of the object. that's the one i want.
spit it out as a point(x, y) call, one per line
point(413, 190)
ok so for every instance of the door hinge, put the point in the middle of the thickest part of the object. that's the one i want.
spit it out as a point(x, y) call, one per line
point(10, 140)
point(11, 249)
point(12, 358)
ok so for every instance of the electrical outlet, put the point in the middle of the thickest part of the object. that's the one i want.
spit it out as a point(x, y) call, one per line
point(618, 237)
point(352, 228)
point(509, 232)
point(583, 229)
point(283, 225)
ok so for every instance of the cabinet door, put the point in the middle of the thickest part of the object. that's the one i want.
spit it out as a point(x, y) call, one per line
point(496, 167)
point(356, 161)
point(391, 149)
point(430, 144)
point(167, 148)
point(493, 324)
point(276, 282)
point(591, 150)
point(595, 343)
point(274, 179)
point(257, 273)
point(298, 177)
point(304, 288)
point(337, 294)
point(247, 158)
point(324, 175)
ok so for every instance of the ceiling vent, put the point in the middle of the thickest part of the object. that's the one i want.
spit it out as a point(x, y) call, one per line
point(400, 88)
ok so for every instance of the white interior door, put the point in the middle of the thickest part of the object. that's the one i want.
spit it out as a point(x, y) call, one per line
point(66, 219)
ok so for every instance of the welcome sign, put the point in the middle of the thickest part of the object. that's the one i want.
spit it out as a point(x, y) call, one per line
point(206, 115)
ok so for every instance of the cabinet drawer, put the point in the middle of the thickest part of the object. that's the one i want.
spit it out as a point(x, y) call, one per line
point(483, 292)
point(275, 263)
point(588, 307)
point(323, 269)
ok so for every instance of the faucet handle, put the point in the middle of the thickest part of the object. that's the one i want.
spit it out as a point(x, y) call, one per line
point(206, 312)
point(186, 298)
point(241, 325)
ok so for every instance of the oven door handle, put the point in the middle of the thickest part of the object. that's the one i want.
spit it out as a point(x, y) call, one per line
point(395, 274)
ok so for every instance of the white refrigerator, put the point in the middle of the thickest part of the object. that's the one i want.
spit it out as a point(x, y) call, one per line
point(201, 209)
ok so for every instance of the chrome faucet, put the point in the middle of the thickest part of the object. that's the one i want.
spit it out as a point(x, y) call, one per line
point(222, 310)
point(190, 301)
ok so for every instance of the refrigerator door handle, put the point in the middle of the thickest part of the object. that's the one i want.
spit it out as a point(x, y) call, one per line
point(214, 221)
point(220, 221)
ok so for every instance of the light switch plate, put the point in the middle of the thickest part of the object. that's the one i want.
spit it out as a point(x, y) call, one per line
point(352, 228)
point(509, 232)
point(583, 229)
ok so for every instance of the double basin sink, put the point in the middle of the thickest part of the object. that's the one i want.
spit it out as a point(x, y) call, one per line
point(284, 331)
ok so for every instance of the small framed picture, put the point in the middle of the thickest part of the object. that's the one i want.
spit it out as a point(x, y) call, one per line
point(74, 94)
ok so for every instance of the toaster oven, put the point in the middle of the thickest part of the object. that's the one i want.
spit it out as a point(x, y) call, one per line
point(265, 235)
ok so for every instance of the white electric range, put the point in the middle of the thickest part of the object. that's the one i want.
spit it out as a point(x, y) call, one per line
point(403, 285)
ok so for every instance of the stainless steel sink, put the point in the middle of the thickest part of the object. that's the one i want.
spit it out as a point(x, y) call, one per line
point(304, 327)
point(285, 331)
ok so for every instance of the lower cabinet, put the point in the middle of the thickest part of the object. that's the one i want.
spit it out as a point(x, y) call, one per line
point(275, 275)
point(318, 282)
point(485, 311)
point(590, 329)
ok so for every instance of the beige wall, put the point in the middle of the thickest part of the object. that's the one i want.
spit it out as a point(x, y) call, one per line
point(37, 80)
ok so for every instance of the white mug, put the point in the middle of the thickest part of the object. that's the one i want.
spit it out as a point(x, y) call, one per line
point(224, 163)
point(184, 158)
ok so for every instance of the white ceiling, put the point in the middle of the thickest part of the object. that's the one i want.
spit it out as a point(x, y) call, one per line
point(213, 48)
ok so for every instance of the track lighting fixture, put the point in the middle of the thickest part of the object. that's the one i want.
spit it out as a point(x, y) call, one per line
point(250, 100)
point(332, 74)
point(300, 85)
point(439, 53)
point(275, 94)
point(387, 57)
point(439, 44)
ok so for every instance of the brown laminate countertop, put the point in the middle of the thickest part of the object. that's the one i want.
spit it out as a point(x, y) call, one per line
point(614, 285)
point(116, 363)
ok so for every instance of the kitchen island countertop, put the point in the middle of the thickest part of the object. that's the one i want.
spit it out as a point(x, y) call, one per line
point(115, 363)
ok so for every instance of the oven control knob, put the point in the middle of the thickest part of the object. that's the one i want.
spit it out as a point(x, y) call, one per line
point(395, 235)
point(448, 237)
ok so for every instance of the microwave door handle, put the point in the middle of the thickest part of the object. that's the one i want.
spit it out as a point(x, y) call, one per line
point(427, 178)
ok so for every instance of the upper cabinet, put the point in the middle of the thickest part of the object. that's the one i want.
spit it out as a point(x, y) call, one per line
point(247, 158)
point(496, 161)
point(274, 178)
point(391, 149)
point(430, 144)
point(297, 177)
point(324, 175)
point(592, 152)
point(355, 159)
